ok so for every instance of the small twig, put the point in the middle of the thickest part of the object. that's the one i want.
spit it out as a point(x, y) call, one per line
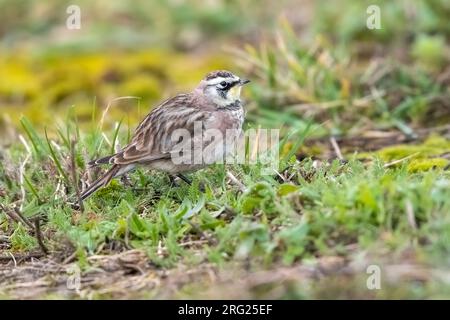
point(38, 234)
point(233, 179)
point(22, 217)
point(254, 152)
point(193, 242)
point(117, 147)
point(160, 251)
point(16, 216)
point(88, 170)
point(386, 165)
point(21, 257)
point(410, 214)
point(105, 112)
point(70, 258)
point(57, 190)
point(281, 176)
point(336, 148)
point(14, 259)
point(22, 172)
point(74, 175)
point(6, 212)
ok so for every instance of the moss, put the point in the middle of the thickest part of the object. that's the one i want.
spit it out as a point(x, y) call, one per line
point(429, 51)
point(418, 165)
point(432, 147)
point(44, 86)
point(423, 156)
point(106, 191)
point(143, 86)
point(18, 81)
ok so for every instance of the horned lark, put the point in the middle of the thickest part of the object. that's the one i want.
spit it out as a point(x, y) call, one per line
point(161, 136)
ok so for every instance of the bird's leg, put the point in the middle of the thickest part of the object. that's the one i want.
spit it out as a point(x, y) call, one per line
point(173, 182)
point(189, 182)
point(185, 179)
point(126, 180)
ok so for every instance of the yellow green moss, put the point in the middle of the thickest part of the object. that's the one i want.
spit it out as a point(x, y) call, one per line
point(112, 186)
point(418, 165)
point(432, 147)
point(144, 86)
point(44, 86)
point(422, 157)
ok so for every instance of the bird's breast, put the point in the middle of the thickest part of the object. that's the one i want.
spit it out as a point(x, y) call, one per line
point(233, 118)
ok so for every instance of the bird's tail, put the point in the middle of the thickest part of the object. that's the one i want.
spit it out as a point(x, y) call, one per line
point(104, 160)
point(102, 181)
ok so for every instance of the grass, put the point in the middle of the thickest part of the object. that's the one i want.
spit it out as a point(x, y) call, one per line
point(378, 194)
point(325, 83)
point(302, 215)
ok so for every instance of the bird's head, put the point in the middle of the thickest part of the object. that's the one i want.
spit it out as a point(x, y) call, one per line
point(222, 87)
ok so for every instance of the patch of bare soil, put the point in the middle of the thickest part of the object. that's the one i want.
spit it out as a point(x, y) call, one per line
point(130, 274)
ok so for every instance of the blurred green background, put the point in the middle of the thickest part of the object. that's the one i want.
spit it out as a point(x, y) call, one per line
point(317, 72)
point(147, 49)
point(154, 49)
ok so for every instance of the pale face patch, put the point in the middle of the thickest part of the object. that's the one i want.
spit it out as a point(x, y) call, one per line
point(223, 91)
point(234, 93)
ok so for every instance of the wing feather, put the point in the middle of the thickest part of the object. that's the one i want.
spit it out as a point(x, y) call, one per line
point(152, 138)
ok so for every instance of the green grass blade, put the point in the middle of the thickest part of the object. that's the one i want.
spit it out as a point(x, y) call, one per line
point(63, 137)
point(299, 142)
point(116, 134)
point(36, 142)
point(32, 188)
point(56, 160)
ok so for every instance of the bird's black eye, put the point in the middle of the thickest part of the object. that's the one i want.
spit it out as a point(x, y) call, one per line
point(223, 84)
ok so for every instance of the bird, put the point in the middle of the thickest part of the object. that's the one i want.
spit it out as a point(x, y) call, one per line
point(171, 137)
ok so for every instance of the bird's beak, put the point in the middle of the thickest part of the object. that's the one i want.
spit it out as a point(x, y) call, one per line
point(243, 81)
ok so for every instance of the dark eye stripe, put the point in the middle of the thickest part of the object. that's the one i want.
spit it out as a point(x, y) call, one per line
point(228, 85)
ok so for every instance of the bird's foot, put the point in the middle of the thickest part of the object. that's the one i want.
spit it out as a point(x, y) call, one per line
point(173, 181)
point(126, 180)
point(185, 179)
